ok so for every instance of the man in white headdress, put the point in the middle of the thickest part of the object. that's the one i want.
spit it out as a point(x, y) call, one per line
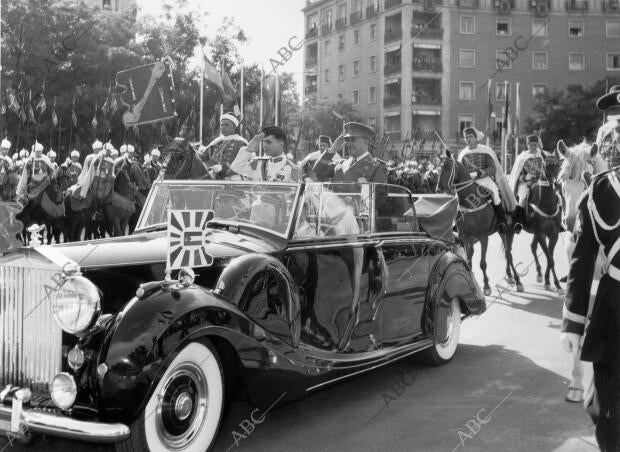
point(6, 164)
point(153, 166)
point(74, 167)
point(99, 165)
point(36, 174)
point(51, 155)
point(222, 151)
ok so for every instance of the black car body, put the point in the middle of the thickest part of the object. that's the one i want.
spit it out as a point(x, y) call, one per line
point(308, 284)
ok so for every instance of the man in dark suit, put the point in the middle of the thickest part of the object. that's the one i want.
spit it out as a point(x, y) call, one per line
point(361, 166)
point(598, 225)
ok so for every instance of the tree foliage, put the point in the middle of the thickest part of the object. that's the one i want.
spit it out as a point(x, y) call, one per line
point(570, 115)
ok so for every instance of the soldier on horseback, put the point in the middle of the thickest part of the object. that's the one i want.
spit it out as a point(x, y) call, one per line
point(6, 169)
point(484, 168)
point(74, 167)
point(608, 140)
point(36, 174)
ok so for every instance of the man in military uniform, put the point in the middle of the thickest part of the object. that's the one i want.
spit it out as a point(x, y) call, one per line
point(36, 174)
point(74, 167)
point(274, 166)
point(129, 150)
point(526, 171)
point(6, 168)
point(222, 151)
point(608, 140)
point(324, 144)
point(153, 166)
point(360, 167)
point(486, 171)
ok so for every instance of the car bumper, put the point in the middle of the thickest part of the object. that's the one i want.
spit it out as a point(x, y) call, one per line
point(16, 421)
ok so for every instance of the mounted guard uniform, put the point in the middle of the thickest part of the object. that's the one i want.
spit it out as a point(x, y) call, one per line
point(598, 225)
point(36, 175)
point(223, 151)
point(526, 171)
point(608, 140)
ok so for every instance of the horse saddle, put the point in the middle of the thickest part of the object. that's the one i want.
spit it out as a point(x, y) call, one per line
point(35, 189)
point(51, 208)
point(102, 186)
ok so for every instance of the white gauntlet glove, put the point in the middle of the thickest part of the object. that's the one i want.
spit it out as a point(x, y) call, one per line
point(570, 342)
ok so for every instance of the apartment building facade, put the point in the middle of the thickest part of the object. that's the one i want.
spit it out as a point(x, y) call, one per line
point(413, 66)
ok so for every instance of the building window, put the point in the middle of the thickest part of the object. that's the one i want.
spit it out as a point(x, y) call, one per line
point(372, 95)
point(468, 25)
point(466, 90)
point(326, 76)
point(613, 61)
point(539, 28)
point(356, 37)
point(502, 60)
point(107, 4)
point(372, 122)
point(612, 29)
point(341, 72)
point(467, 58)
point(341, 43)
point(575, 28)
point(502, 26)
point(327, 46)
point(373, 64)
point(356, 68)
point(373, 32)
point(500, 90)
point(356, 97)
point(465, 121)
point(538, 89)
point(540, 60)
point(576, 61)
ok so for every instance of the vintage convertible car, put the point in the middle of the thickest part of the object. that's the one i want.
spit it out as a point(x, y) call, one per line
point(288, 288)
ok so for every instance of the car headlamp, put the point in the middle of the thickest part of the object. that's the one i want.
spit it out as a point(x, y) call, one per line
point(75, 304)
point(63, 390)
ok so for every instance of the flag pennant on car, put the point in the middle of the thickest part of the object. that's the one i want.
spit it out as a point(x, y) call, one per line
point(187, 238)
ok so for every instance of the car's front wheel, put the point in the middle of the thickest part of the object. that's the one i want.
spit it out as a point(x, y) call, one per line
point(447, 332)
point(185, 410)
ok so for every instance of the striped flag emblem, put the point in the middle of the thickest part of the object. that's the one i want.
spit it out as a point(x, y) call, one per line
point(187, 238)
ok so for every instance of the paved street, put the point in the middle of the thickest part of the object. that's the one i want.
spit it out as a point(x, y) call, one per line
point(504, 391)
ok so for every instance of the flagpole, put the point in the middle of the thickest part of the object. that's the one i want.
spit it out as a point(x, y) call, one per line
point(202, 96)
point(505, 140)
point(489, 112)
point(241, 112)
point(260, 122)
point(277, 109)
point(517, 122)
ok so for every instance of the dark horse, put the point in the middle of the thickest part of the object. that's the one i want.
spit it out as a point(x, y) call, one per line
point(544, 212)
point(181, 162)
point(125, 199)
point(477, 220)
point(44, 206)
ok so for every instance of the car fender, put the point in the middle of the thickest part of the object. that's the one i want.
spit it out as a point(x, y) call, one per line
point(450, 278)
point(233, 282)
point(146, 336)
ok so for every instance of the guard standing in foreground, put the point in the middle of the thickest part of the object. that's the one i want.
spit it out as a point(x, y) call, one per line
point(360, 167)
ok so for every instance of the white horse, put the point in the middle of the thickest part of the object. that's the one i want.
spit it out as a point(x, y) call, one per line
point(580, 163)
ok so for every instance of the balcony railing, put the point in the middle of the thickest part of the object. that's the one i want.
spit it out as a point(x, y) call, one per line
point(611, 6)
point(326, 29)
point(391, 101)
point(391, 68)
point(371, 11)
point(426, 33)
point(313, 32)
point(341, 23)
point(504, 6)
point(426, 65)
point(471, 4)
point(574, 5)
point(392, 3)
point(540, 7)
point(393, 35)
point(356, 17)
point(311, 62)
point(421, 98)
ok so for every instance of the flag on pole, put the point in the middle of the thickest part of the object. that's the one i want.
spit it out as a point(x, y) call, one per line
point(54, 115)
point(73, 115)
point(212, 76)
point(94, 122)
point(13, 103)
point(188, 238)
point(41, 106)
point(105, 107)
point(113, 105)
point(230, 94)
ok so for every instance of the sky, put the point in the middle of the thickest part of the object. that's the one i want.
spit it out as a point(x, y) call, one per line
point(268, 24)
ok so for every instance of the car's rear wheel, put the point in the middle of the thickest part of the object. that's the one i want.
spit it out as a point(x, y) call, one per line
point(185, 410)
point(447, 332)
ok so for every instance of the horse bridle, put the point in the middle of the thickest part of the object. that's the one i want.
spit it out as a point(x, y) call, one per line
point(457, 186)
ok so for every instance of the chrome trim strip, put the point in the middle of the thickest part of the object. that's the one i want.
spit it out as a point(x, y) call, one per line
point(389, 361)
point(62, 426)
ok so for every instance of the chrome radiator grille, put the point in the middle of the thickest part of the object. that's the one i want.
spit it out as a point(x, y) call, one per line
point(31, 349)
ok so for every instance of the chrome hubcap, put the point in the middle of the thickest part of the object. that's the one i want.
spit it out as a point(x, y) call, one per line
point(183, 406)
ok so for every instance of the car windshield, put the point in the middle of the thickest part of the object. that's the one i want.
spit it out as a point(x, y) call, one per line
point(265, 205)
